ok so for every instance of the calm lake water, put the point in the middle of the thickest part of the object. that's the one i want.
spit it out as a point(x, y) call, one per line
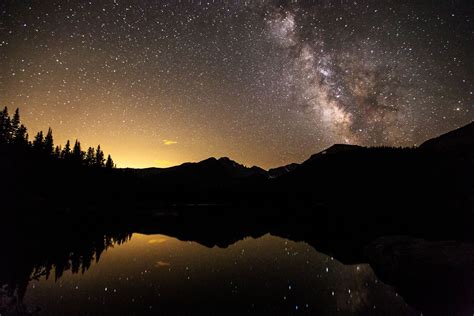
point(158, 274)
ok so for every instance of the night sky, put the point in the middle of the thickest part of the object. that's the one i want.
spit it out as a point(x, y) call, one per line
point(158, 83)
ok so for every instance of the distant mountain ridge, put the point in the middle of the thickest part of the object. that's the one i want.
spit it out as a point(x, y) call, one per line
point(224, 167)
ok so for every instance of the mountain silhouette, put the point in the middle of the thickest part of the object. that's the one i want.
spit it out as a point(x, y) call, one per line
point(213, 168)
point(208, 169)
point(458, 139)
point(338, 156)
point(279, 171)
point(334, 149)
point(329, 160)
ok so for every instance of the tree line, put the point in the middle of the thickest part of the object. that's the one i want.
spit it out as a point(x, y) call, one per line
point(13, 132)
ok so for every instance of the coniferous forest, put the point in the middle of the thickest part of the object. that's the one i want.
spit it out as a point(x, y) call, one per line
point(15, 135)
point(37, 173)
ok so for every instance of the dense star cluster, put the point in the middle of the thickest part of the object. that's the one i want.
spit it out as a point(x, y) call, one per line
point(264, 82)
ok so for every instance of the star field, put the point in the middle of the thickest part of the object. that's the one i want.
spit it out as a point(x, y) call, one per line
point(158, 83)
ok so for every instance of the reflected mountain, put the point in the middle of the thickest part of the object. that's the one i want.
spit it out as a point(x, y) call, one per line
point(433, 277)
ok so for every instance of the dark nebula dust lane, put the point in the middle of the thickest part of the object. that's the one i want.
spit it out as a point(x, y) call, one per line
point(158, 83)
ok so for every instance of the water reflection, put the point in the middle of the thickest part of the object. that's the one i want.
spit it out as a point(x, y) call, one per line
point(31, 256)
point(158, 273)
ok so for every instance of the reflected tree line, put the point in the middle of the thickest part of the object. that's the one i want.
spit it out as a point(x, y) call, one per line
point(14, 133)
point(42, 258)
point(80, 259)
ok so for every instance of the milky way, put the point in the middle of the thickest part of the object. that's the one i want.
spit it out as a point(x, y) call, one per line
point(158, 83)
point(359, 92)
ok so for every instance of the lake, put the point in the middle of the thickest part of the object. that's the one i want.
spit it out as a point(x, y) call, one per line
point(138, 274)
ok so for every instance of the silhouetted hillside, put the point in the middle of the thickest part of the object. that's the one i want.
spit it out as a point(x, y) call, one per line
point(210, 168)
point(276, 172)
point(223, 167)
point(333, 150)
point(457, 140)
point(388, 189)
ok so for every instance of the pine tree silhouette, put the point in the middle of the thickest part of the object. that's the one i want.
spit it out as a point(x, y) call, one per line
point(77, 153)
point(21, 136)
point(99, 157)
point(110, 163)
point(48, 142)
point(66, 153)
point(15, 122)
point(5, 127)
point(38, 142)
point(90, 157)
point(57, 151)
